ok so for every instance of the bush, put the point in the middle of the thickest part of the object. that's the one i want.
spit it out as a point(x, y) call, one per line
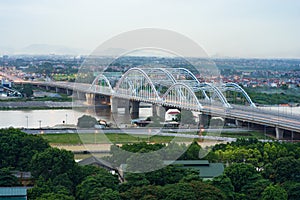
point(86, 121)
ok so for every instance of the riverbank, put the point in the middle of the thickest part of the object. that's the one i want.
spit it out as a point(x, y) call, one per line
point(34, 105)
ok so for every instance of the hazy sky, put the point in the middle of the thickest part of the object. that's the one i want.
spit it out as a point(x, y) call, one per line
point(235, 28)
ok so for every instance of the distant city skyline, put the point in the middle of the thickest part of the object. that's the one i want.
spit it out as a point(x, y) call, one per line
point(224, 28)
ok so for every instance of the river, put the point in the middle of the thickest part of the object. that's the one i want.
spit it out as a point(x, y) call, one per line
point(50, 118)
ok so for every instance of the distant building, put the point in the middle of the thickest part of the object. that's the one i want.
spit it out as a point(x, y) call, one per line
point(206, 170)
point(273, 85)
point(5, 83)
point(98, 162)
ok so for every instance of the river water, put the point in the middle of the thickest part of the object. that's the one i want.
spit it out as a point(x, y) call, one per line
point(50, 118)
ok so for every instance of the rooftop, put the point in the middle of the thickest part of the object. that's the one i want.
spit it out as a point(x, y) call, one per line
point(18, 193)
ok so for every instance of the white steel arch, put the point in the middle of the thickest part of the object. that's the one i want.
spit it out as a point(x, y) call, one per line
point(177, 73)
point(136, 83)
point(153, 71)
point(104, 88)
point(235, 87)
point(216, 92)
point(181, 95)
point(196, 85)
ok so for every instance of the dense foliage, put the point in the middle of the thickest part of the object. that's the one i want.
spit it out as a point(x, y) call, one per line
point(254, 170)
point(259, 170)
point(17, 148)
point(273, 96)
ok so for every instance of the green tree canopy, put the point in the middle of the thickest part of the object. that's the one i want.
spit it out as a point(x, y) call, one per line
point(17, 148)
point(93, 186)
point(86, 121)
point(286, 169)
point(241, 174)
point(51, 163)
point(292, 189)
point(27, 90)
point(274, 192)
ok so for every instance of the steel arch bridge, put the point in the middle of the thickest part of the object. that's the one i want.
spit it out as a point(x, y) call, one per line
point(174, 87)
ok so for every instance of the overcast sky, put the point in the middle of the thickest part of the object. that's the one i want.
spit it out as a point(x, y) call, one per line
point(234, 28)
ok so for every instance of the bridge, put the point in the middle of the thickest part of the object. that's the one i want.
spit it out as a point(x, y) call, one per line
point(167, 88)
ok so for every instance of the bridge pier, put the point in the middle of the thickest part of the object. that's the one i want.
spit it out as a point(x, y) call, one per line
point(154, 110)
point(81, 96)
point(238, 123)
point(90, 98)
point(159, 111)
point(204, 120)
point(135, 107)
point(126, 105)
point(113, 105)
point(116, 103)
point(102, 99)
point(279, 133)
point(107, 100)
point(57, 90)
point(69, 92)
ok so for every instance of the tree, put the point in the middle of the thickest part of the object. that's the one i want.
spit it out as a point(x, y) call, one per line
point(92, 186)
point(63, 180)
point(54, 196)
point(144, 162)
point(27, 90)
point(286, 169)
point(17, 148)
point(224, 183)
point(194, 190)
point(7, 179)
point(274, 192)
point(46, 189)
point(241, 174)
point(185, 117)
point(108, 194)
point(253, 190)
point(86, 121)
point(179, 191)
point(292, 189)
point(171, 175)
point(133, 180)
point(192, 153)
point(148, 192)
point(51, 163)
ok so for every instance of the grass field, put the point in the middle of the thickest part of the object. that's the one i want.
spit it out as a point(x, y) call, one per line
point(244, 134)
point(117, 138)
point(96, 138)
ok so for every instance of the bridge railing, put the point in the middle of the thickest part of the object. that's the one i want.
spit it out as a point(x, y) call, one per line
point(272, 111)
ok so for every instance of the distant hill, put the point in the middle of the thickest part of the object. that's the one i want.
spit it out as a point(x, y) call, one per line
point(49, 49)
point(6, 50)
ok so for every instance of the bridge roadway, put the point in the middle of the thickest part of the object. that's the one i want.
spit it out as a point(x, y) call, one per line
point(249, 114)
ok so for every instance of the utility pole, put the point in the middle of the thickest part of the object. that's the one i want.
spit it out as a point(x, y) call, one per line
point(40, 122)
point(27, 121)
